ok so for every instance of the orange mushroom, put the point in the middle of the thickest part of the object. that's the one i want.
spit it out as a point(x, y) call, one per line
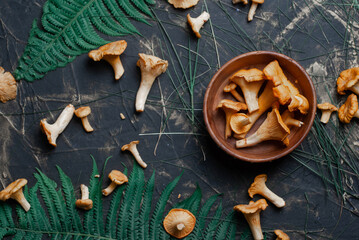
point(184, 4)
point(349, 109)
point(179, 223)
point(289, 120)
point(117, 178)
point(348, 80)
point(281, 235)
point(327, 110)
point(198, 22)
point(231, 88)
point(84, 203)
point(14, 191)
point(238, 122)
point(8, 86)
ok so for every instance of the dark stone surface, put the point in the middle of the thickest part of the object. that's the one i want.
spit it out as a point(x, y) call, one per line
point(321, 35)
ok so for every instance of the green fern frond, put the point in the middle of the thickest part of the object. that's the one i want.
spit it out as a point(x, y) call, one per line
point(128, 217)
point(69, 28)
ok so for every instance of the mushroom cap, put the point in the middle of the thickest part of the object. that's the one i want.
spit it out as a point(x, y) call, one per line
point(258, 183)
point(235, 123)
point(127, 146)
point(258, 1)
point(230, 87)
point(282, 92)
point(83, 112)
point(327, 106)
point(117, 177)
point(183, 3)
point(252, 207)
point(85, 204)
point(347, 79)
point(348, 109)
point(8, 86)
point(12, 188)
point(112, 48)
point(250, 75)
point(152, 63)
point(274, 72)
point(179, 216)
point(197, 23)
point(281, 235)
point(227, 104)
point(299, 102)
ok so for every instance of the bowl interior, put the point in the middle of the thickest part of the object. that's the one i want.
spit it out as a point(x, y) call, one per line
point(215, 119)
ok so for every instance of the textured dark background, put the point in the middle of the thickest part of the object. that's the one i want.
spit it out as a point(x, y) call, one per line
point(320, 35)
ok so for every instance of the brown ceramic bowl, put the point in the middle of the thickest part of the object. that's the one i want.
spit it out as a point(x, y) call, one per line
point(215, 119)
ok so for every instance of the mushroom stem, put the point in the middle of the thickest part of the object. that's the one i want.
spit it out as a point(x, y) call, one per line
point(107, 191)
point(84, 192)
point(272, 197)
point(86, 124)
point(249, 141)
point(20, 198)
point(355, 89)
point(132, 147)
point(251, 101)
point(52, 131)
point(252, 11)
point(237, 96)
point(254, 222)
point(143, 91)
point(116, 64)
point(325, 116)
point(180, 226)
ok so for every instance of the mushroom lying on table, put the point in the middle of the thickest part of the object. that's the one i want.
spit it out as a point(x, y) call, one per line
point(327, 110)
point(151, 67)
point(52, 131)
point(251, 213)
point(253, 9)
point(348, 80)
point(259, 187)
point(8, 86)
point(281, 235)
point(245, 2)
point(14, 191)
point(273, 128)
point(198, 22)
point(349, 109)
point(183, 3)
point(84, 203)
point(111, 53)
point(82, 113)
point(117, 178)
point(179, 223)
point(132, 147)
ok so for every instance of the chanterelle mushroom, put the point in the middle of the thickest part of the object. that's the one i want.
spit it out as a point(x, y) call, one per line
point(52, 131)
point(151, 67)
point(348, 80)
point(132, 147)
point(198, 22)
point(289, 120)
point(8, 86)
point(251, 213)
point(281, 235)
point(259, 187)
point(85, 203)
point(230, 107)
point(179, 223)
point(117, 178)
point(327, 110)
point(183, 3)
point(349, 109)
point(253, 9)
point(231, 88)
point(245, 2)
point(273, 128)
point(14, 191)
point(238, 122)
point(82, 113)
point(250, 81)
point(111, 53)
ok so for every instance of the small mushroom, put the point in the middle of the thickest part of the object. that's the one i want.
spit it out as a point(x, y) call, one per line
point(111, 53)
point(117, 178)
point(198, 22)
point(348, 80)
point(251, 213)
point(82, 113)
point(259, 187)
point(8, 86)
point(230, 107)
point(250, 81)
point(245, 2)
point(179, 223)
point(253, 9)
point(151, 67)
point(238, 122)
point(132, 147)
point(14, 191)
point(281, 235)
point(327, 110)
point(183, 3)
point(84, 203)
point(273, 128)
point(289, 120)
point(231, 88)
point(52, 131)
point(349, 109)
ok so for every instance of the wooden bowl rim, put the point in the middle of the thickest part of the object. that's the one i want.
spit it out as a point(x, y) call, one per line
point(285, 150)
